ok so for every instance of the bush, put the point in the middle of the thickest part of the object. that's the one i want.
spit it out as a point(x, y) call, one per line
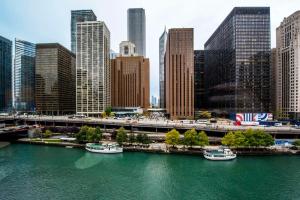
point(248, 138)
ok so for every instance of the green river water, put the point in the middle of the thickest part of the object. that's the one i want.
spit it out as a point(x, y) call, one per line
point(43, 172)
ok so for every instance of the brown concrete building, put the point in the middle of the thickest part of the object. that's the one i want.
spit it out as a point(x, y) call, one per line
point(55, 79)
point(179, 71)
point(130, 85)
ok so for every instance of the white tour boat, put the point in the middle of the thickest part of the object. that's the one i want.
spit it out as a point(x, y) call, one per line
point(219, 154)
point(103, 148)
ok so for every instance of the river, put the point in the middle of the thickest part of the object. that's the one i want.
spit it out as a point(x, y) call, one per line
point(43, 172)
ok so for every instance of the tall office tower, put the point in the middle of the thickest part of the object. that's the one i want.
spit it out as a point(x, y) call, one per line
point(92, 68)
point(162, 51)
point(273, 81)
point(54, 79)
point(237, 62)
point(130, 81)
point(288, 67)
point(79, 16)
point(24, 76)
point(5, 74)
point(199, 89)
point(180, 73)
point(136, 29)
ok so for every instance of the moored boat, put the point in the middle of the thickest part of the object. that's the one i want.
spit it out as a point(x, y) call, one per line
point(219, 154)
point(103, 148)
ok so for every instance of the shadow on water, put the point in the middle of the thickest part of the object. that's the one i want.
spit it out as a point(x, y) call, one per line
point(89, 160)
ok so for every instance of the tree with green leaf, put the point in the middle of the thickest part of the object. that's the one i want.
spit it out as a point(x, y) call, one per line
point(296, 143)
point(190, 137)
point(146, 139)
point(132, 138)
point(229, 139)
point(108, 110)
point(139, 138)
point(81, 136)
point(121, 136)
point(172, 137)
point(202, 139)
point(47, 134)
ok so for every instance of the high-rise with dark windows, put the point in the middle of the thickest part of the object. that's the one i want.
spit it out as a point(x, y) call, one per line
point(79, 16)
point(54, 79)
point(24, 75)
point(199, 80)
point(5, 74)
point(136, 29)
point(237, 62)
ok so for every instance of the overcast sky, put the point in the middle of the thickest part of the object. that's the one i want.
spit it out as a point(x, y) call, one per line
point(40, 21)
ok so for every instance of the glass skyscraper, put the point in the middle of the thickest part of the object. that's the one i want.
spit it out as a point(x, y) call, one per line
point(162, 51)
point(5, 74)
point(136, 29)
point(237, 62)
point(199, 80)
point(79, 16)
point(24, 75)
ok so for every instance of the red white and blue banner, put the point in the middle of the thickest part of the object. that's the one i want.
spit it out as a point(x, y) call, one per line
point(253, 117)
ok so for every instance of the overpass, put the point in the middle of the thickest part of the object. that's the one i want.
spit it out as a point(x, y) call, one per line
point(148, 126)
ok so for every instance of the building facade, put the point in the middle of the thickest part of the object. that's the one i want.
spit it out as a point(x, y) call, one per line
point(180, 73)
point(273, 81)
point(199, 90)
point(24, 76)
point(237, 62)
point(136, 29)
point(93, 73)
point(79, 16)
point(130, 82)
point(288, 67)
point(162, 51)
point(54, 79)
point(5, 74)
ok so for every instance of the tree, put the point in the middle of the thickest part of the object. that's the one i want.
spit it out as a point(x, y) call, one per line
point(203, 139)
point(121, 136)
point(94, 134)
point(139, 138)
point(190, 137)
point(108, 110)
point(103, 115)
point(90, 134)
point(172, 137)
point(47, 134)
point(205, 115)
point(229, 139)
point(296, 143)
point(81, 136)
point(98, 134)
point(146, 139)
point(131, 138)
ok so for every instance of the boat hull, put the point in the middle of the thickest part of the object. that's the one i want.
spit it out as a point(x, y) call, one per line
point(105, 151)
point(220, 158)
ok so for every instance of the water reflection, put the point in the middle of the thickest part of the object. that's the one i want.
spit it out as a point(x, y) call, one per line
point(89, 160)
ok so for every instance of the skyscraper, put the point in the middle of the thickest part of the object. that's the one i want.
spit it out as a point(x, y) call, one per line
point(288, 67)
point(79, 16)
point(199, 80)
point(180, 73)
point(93, 68)
point(54, 79)
point(162, 51)
point(237, 62)
point(5, 74)
point(136, 29)
point(24, 75)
